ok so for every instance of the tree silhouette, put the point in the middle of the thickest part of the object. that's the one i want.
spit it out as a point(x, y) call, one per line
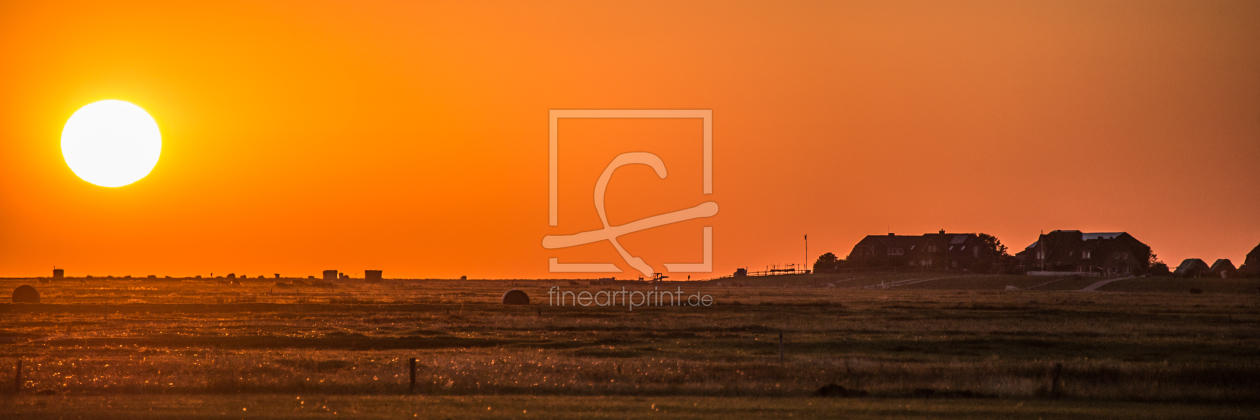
point(826, 262)
point(993, 245)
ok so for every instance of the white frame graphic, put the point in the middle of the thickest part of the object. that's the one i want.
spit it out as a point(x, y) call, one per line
point(553, 157)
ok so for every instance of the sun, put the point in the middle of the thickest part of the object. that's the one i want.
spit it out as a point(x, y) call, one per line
point(111, 143)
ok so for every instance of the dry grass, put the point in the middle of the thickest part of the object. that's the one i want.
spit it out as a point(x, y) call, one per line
point(965, 338)
point(244, 406)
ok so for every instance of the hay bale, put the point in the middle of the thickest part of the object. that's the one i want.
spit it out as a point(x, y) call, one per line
point(833, 390)
point(25, 294)
point(515, 297)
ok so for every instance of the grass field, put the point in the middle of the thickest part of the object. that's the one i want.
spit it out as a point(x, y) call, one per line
point(929, 345)
point(588, 407)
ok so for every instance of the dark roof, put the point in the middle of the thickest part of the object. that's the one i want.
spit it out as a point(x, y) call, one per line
point(944, 241)
point(1191, 266)
point(1085, 236)
point(1223, 264)
point(891, 240)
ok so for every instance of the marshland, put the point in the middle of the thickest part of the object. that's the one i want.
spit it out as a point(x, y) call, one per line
point(950, 345)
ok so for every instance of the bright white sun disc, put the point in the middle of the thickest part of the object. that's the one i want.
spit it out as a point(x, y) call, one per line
point(111, 143)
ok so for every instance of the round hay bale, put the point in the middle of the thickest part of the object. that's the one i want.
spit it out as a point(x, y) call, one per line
point(27, 294)
point(515, 297)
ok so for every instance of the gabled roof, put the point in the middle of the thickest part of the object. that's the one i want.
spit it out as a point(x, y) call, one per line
point(1191, 265)
point(891, 240)
point(1223, 264)
point(944, 241)
point(1085, 236)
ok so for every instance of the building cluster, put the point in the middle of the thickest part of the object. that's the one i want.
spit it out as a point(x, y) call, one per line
point(1054, 253)
point(1223, 268)
point(931, 250)
point(1100, 253)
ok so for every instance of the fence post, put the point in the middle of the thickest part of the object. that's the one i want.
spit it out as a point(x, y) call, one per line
point(17, 377)
point(412, 362)
point(1054, 384)
point(780, 347)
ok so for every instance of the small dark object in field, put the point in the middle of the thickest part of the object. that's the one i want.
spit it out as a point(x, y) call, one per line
point(412, 362)
point(515, 297)
point(932, 393)
point(833, 390)
point(25, 294)
point(1058, 378)
point(1196, 291)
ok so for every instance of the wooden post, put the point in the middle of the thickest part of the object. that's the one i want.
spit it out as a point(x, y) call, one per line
point(412, 361)
point(17, 377)
point(780, 347)
point(1054, 384)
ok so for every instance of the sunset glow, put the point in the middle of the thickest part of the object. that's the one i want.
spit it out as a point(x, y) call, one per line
point(420, 130)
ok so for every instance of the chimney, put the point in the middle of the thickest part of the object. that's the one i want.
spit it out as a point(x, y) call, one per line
point(942, 231)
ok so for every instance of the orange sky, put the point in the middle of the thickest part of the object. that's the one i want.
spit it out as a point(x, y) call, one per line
point(412, 137)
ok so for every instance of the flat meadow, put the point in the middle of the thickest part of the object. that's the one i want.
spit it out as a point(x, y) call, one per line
point(928, 345)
